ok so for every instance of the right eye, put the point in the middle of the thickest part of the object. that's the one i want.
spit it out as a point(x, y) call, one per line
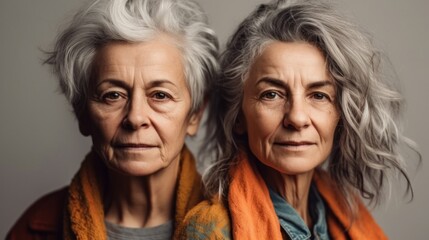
point(270, 95)
point(112, 96)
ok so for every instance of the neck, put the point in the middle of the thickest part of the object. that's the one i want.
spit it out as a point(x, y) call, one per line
point(142, 201)
point(293, 188)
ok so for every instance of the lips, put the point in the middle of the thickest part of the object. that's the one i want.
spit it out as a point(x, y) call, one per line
point(295, 143)
point(134, 145)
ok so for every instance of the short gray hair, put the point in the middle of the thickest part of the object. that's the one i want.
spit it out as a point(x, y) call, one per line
point(103, 21)
point(367, 139)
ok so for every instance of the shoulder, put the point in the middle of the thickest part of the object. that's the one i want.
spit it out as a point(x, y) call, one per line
point(208, 220)
point(42, 218)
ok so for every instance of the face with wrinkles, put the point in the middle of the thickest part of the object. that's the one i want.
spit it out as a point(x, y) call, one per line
point(289, 108)
point(138, 114)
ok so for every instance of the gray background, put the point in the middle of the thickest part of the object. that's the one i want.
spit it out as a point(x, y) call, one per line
point(41, 146)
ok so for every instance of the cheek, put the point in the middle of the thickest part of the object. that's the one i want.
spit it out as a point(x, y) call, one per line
point(261, 124)
point(258, 131)
point(327, 124)
point(104, 125)
point(171, 128)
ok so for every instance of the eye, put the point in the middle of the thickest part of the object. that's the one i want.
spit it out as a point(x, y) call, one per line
point(270, 95)
point(111, 96)
point(161, 95)
point(319, 96)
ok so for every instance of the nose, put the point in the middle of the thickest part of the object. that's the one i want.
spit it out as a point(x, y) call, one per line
point(296, 115)
point(137, 113)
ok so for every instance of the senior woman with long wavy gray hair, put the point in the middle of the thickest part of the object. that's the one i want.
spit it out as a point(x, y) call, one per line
point(137, 73)
point(304, 123)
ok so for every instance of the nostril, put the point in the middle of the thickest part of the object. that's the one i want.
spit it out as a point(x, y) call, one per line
point(126, 123)
point(296, 120)
point(137, 115)
point(135, 122)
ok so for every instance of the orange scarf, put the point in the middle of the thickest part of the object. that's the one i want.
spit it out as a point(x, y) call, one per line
point(253, 215)
point(84, 216)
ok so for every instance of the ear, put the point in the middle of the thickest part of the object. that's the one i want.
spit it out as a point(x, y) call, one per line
point(194, 121)
point(84, 121)
point(240, 126)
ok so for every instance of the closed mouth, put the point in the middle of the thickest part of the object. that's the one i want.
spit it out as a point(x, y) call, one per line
point(294, 143)
point(134, 145)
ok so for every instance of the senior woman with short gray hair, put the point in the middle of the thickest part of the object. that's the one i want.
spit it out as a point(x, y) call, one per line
point(138, 74)
point(304, 123)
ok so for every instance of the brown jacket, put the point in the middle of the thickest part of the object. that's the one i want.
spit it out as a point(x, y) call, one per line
point(43, 219)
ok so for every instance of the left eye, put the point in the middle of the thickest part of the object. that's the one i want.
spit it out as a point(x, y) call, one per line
point(111, 96)
point(269, 95)
point(161, 95)
point(320, 96)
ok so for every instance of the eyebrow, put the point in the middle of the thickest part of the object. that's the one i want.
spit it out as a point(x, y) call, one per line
point(279, 83)
point(320, 84)
point(119, 83)
point(272, 81)
point(159, 82)
point(112, 81)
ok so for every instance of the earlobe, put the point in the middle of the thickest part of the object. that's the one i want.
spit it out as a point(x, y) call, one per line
point(194, 122)
point(84, 128)
point(84, 122)
point(240, 125)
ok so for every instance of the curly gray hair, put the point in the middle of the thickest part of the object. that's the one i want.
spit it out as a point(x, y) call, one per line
point(367, 139)
point(103, 21)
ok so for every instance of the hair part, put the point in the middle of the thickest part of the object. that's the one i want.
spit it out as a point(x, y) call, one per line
point(367, 139)
point(104, 21)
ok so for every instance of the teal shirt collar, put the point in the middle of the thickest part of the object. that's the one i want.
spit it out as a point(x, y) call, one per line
point(294, 225)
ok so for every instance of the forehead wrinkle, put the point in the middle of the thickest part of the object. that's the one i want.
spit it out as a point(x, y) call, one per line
point(111, 73)
point(292, 63)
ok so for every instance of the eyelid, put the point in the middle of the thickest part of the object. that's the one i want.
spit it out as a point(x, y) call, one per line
point(121, 93)
point(326, 95)
point(276, 91)
point(108, 87)
point(112, 89)
point(167, 95)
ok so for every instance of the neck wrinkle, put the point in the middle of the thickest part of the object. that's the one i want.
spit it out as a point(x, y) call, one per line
point(293, 188)
point(143, 201)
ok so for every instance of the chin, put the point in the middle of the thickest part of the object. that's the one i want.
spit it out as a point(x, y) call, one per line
point(295, 166)
point(136, 169)
point(293, 172)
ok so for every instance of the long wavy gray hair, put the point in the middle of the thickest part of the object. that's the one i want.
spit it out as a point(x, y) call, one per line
point(367, 139)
